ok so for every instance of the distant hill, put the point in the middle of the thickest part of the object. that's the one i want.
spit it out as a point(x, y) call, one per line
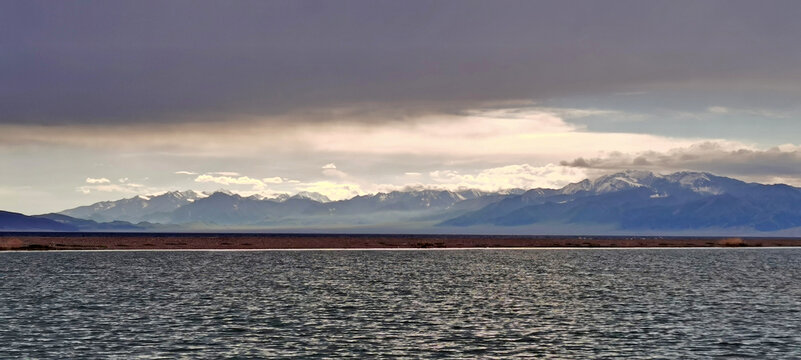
point(10, 221)
point(91, 225)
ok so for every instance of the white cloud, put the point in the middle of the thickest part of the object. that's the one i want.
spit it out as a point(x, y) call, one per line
point(331, 170)
point(273, 180)
point(122, 180)
point(607, 115)
point(334, 191)
point(231, 180)
point(718, 109)
point(184, 172)
point(90, 180)
point(755, 112)
point(514, 134)
point(129, 188)
point(523, 176)
point(225, 173)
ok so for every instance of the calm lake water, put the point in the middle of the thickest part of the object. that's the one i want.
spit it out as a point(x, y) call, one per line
point(643, 303)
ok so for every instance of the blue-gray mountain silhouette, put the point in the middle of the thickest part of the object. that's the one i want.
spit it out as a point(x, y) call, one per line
point(135, 209)
point(11, 221)
point(643, 200)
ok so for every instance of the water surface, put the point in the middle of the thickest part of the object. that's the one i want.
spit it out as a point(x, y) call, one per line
point(644, 303)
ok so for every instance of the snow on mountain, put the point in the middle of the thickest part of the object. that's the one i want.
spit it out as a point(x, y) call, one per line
point(644, 200)
point(281, 198)
point(135, 209)
point(699, 182)
point(311, 196)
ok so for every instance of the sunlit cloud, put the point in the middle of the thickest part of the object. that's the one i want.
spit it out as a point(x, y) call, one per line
point(90, 180)
point(331, 170)
point(761, 113)
point(231, 180)
point(491, 133)
point(273, 180)
point(474, 133)
point(128, 188)
point(334, 191)
point(523, 176)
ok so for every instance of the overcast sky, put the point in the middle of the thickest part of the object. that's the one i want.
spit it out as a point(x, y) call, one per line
point(101, 100)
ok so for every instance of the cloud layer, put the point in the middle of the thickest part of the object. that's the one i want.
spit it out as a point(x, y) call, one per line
point(123, 62)
point(776, 164)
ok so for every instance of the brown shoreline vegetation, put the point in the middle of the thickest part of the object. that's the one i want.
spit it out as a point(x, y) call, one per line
point(106, 241)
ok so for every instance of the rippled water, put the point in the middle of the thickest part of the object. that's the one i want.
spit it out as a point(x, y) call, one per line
point(662, 303)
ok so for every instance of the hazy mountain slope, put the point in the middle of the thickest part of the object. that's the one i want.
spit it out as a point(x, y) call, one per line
point(226, 208)
point(414, 200)
point(642, 200)
point(230, 209)
point(91, 225)
point(135, 209)
point(10, 221)
point(762, 207)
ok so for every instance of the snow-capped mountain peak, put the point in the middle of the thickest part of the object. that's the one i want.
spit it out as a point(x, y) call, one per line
point(311, 196)
point(699, 182)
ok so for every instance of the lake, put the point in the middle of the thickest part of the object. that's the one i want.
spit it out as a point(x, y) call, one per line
point(480, 303)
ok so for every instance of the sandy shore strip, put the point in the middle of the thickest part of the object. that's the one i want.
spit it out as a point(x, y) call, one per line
point(133, 241)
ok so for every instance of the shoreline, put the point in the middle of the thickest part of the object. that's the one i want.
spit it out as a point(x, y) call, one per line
point(412, 249)
point(147, 241)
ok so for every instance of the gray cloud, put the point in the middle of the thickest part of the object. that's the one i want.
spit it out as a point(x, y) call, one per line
point(151, 61)
point(775, 162)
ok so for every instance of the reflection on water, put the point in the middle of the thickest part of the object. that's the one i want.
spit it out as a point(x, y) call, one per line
point(667, 303)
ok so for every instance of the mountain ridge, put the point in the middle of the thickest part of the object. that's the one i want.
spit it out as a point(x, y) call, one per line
point(648, 201)
point(627, 201)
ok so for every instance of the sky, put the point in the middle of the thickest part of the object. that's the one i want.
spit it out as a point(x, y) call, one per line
point(101, 100)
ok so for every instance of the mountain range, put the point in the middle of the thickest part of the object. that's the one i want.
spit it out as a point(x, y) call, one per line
point(636, 200)
point(624, 202)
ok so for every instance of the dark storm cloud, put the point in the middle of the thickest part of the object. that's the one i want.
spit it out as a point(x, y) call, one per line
point(141, 61)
